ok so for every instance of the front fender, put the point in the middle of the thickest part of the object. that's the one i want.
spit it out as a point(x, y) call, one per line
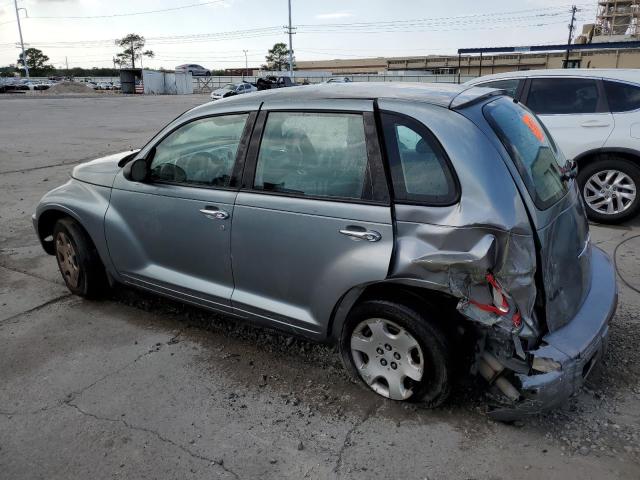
point(84, 202)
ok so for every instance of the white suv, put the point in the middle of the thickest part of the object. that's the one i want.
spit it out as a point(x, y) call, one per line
point(594, 116)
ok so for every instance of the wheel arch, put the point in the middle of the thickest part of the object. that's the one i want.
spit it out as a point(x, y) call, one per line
point(417, 297)
point(46, 221)
point(590, 156)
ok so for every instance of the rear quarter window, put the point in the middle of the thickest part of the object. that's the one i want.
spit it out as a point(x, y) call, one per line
point(532, 149)
point(509, 85)
point(622, 97)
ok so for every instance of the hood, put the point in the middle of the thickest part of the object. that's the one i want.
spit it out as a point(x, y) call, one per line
point(100, 171)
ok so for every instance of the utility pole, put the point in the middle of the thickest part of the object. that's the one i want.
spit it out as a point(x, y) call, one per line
point(571, 26)
point(290, 32)
point(24, 55)
point(66, 61)
point(246, 64)
point(133, 56)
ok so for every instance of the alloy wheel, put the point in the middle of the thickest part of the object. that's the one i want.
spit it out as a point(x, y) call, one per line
point(67, 259)
point(387, 357)
point(609, 192)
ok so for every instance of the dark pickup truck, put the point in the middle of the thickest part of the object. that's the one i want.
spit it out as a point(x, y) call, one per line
point(267, 83)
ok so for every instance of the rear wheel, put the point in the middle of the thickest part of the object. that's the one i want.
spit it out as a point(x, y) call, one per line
point(78, 260)
point(610, 189)
point(397, 352)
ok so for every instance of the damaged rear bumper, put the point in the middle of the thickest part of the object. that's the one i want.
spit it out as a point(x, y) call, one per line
point(577, 347)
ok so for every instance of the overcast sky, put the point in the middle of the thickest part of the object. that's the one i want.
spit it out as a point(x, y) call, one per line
point(414, 27)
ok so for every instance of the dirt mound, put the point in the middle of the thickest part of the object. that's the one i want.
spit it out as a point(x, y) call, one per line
point(70, 87)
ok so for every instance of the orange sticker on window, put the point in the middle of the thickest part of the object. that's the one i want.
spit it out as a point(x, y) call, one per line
point(530, 122)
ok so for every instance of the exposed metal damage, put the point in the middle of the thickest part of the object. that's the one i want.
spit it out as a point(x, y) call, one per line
point(492, 273)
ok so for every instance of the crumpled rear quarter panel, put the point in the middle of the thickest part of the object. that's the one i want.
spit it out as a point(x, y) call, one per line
point(451, 248)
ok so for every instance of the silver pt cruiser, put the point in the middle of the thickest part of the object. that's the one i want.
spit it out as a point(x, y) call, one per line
point(412, 225)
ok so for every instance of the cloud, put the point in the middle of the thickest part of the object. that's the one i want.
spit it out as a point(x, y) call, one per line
point(333, 15)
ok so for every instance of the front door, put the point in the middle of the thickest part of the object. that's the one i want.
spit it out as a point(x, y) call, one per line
point(172, 233)
point(574, 110)
point(313, 219)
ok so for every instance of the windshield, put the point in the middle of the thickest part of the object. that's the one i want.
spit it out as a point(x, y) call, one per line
point(529, 144)
point(228, 87)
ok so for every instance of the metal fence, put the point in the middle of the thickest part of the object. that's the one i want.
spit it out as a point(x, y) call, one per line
point(208, 84)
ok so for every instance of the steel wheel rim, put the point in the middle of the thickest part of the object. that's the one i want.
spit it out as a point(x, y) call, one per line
point(67, 259)
point(609, 192)
point(387, 357)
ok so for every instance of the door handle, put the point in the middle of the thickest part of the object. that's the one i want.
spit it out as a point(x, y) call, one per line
point(368, 235)
point(215, 213)
point(594, 123)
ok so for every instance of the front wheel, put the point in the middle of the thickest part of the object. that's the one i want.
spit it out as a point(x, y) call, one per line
point(78, 260)
point(397, 352)
point(610, 189)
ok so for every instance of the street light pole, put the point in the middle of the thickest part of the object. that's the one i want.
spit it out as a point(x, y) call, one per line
point(24, 55)
point(246, 64)
point(290, 44)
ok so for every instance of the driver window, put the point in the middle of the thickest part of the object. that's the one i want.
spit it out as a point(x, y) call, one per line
point(201, 152)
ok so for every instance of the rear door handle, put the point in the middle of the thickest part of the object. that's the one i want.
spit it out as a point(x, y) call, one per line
point(594, 123)
point(215, 213)
point(368, 235)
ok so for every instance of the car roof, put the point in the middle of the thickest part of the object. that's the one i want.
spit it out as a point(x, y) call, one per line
point(443, 95)
point(624, 74)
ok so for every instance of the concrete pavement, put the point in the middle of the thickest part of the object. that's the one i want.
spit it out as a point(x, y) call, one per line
point(135, 386)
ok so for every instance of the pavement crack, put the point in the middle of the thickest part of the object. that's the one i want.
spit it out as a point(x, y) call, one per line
point(75, 394)
point(347, 438)
point(42, 167)
point(8, 321)
point(25, 272)
point(157, 434)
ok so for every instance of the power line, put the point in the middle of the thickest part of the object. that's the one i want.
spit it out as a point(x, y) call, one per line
point(131, 14)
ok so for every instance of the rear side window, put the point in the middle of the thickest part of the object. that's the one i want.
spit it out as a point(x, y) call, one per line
point(538, 160)
point(419, 169)
point(622, 97)
point(554, 96)
point(314, 154)
point(511, 86)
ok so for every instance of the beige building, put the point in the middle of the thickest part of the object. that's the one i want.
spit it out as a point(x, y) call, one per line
point(475, 65)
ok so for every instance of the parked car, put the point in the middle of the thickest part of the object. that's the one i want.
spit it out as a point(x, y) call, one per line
point(103, 86)
point(594, 115)
point(195, 70)
point(476, 244)
point(15, 85)
point(232, 89)
point(339, 80)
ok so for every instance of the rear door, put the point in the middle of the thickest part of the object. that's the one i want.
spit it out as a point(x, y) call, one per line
point(313, 218)
point(623, 99)
point(574, 110)
point(555, 205)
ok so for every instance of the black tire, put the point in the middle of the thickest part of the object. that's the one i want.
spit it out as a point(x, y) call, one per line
point(91, 280)
point(433, 389)
point(610, 162)
point(207, 73)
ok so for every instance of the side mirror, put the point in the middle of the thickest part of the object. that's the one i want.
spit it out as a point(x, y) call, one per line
point(136, 171)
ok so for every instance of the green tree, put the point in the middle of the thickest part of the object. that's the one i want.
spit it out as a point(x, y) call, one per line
point(278, 57)
point(8, 71)
point(36, 61)
point(133, 45)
